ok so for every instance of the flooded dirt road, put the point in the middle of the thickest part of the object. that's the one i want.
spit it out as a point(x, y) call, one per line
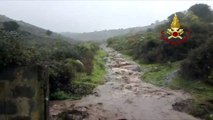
point(124, 96)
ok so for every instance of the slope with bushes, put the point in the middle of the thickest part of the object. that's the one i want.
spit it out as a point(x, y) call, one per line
point(193, 60)
point(65, 58)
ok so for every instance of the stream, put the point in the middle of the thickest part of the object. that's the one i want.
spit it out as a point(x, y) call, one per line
point(123, 96)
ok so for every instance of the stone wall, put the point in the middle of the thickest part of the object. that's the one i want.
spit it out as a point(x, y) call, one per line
point(22, 93)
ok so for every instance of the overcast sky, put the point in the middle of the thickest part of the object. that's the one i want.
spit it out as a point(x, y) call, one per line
point(88, 16)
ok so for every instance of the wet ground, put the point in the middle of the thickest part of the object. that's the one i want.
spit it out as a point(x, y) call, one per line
point(124, 96)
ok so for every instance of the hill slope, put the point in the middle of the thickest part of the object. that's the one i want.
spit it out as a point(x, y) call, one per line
point(32, 29)
point(187, 66)
point(105, 34)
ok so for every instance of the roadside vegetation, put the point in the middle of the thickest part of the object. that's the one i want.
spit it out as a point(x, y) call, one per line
point(83, 83)
point(188, 66)
point(75, 68)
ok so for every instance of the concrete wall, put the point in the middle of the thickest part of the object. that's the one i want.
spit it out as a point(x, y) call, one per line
point(22, 93)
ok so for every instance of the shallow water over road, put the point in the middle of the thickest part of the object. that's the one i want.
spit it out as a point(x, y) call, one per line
point(124, 96)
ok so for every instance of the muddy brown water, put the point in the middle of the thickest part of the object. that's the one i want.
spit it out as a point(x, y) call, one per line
point(124, 96)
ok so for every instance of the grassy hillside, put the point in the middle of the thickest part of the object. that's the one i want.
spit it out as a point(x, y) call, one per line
point(187, 66)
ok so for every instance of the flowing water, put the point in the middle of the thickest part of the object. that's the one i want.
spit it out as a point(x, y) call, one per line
point(124, 96)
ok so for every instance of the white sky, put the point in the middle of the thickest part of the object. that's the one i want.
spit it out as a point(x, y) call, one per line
point(88, 16)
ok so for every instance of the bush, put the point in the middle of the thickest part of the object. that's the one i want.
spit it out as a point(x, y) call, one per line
point(67, 63)
point(10, 26)
point(74, 64)
point(61, 50)
point(48, 32)
point(86, 52)
point(64, 59)
point(81, 88)
point(59, 95)
point(199, 64)
point(13, 52)
point(203, 11)
point(60, 76)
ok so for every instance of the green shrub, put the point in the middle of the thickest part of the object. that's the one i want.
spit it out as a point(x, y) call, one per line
point(199, 62)
point(66, 64)
point(59, 95)
point(81, 88)
point(13, 51)
point(203, 11)
point(87, 51)
point(61, 50)
point(48, 32)
point(74, 64)
point(60, 76)
point(10, 26)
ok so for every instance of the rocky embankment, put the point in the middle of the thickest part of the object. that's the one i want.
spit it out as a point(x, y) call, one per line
point(124, 96)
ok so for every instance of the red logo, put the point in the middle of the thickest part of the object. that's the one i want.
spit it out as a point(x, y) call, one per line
point(175, 41)
point(175, 33)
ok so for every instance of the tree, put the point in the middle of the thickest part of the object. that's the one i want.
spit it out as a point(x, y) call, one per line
point(10, 26)
point(13, 52)
point(191, 17)
point(203, 11)
point(48, 32)
point(180, 16)
point(199, 64)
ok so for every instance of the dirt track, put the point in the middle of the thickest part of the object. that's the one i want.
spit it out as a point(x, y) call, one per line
point(124, 96)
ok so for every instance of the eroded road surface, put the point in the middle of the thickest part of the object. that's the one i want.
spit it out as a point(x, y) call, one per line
point(124, 96)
